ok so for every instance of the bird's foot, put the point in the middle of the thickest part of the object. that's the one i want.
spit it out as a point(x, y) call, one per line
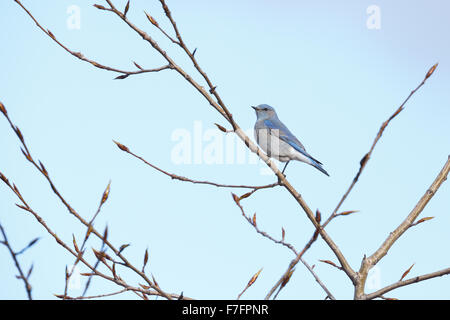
point(279, 180)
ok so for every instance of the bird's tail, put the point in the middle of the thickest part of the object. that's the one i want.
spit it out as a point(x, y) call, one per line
point(318, 166)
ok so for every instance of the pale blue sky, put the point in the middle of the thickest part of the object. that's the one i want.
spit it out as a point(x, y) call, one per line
point(333, 82)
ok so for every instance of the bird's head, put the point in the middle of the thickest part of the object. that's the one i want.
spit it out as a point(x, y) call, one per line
point(264, 111)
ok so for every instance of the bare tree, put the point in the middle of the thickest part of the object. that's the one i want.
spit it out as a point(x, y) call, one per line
point(150, 287)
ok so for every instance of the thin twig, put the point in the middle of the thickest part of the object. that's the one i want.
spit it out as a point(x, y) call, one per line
point(41, 168)
point(181, 178)
point(22, 275)
point(379, 293)
point(294, 262)
point(367, 156)
point(170, 61)
point(252, 221)
point(78, 254)
point(216, 102)
point(181, 43)
point(80, 56)
point(221, 108)
point(372, 260)
point(316, 277)
point(362, 166)
point(88, 233)
point(283, 280)
point(291, 267)
point(97, 296)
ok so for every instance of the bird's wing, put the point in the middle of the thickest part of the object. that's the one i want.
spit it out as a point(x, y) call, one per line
point(281, 131)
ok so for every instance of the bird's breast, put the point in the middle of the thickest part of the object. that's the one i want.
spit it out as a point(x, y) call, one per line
point(272, 145)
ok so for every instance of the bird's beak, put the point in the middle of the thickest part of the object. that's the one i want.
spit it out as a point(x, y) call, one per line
point(255, 108)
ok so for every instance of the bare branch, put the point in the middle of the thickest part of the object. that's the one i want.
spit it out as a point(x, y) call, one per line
point(369, 262)
point(252, 221)
point(212, 96)
point(103, 199)
point(181, 178)
point(44, 172)
point(65, 297)
point(393, 236)
point(156, 24)
point(181, 43)
point(221, 108)
point(297, 259)
point(367, 156)
point(79, 55)
point(22, 275)
point(29, 245)
point(287, 275)
point(403, 283)
point(117, 280)
point(316, 277)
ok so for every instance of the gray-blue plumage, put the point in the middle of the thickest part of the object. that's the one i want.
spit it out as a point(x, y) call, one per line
point(277, 141)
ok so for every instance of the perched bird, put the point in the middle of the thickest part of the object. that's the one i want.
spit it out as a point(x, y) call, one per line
point(277, 141)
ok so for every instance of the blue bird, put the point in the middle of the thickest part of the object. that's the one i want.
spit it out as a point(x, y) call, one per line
point(277, 141)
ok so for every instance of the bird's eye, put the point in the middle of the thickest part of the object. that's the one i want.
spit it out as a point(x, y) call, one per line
point(265, 109)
